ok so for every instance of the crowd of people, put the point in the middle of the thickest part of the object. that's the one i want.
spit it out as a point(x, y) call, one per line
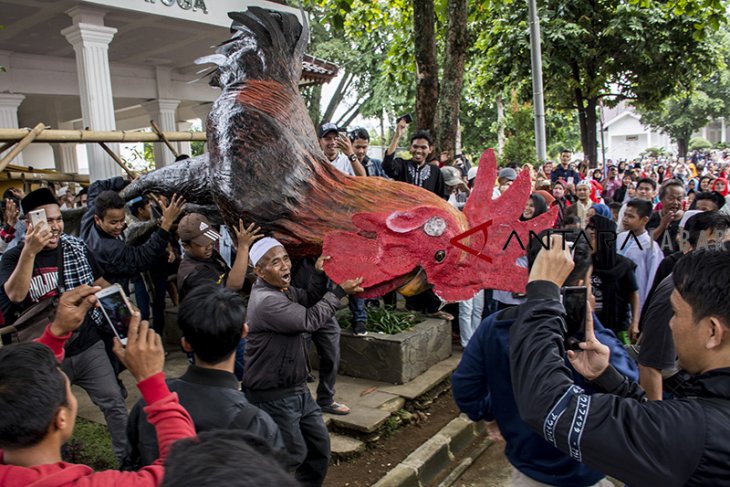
point(639, 234)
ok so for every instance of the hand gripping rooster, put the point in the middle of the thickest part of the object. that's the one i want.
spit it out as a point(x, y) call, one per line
point(264, 164)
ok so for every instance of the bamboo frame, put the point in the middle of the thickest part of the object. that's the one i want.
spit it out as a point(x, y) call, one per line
point(93, 136)
point(118, 160)
point(36, 176)
point(24, 142)
point(164, 138)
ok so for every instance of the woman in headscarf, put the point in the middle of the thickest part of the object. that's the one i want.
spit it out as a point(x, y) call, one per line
point(614, 285)
point(600, 209)
point(534, 207)
point(720, 185)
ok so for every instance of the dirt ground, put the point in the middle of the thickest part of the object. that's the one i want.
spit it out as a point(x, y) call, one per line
point(388, 452)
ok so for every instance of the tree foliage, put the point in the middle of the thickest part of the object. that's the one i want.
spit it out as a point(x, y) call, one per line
point(639, 50)
point(700, 100)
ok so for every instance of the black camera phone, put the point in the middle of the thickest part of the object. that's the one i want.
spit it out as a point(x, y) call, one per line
point(407, 117)
point(575, 301)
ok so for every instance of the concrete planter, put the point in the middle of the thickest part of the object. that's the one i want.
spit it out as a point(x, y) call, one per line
point(395, 358)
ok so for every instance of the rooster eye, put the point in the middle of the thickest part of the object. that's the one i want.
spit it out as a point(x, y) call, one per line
point(440, 256)
point(435, 227)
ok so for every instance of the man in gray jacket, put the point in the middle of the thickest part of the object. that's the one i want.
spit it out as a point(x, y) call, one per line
point(276, 362)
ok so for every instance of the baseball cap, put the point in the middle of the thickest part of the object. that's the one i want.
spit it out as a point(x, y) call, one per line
point(472, 173)
point(326, 128)
point(507, 173)
point(195, 228)
point(452, 176)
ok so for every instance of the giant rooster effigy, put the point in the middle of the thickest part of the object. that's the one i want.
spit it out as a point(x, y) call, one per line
point(264, 164)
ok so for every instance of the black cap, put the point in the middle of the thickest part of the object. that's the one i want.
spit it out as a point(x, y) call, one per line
point(37, 198)
point(326, 128)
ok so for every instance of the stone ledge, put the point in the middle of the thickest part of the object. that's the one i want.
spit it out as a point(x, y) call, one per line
point(424, 464)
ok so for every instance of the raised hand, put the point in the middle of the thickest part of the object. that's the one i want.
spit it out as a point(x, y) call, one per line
point(352, 286)
point(11, 212)
point(593, 358)
point(72, 308)
point(245, 236)
point(144, 355)
point(554, 264)
point(319, 265)
point(37, 238)
point(171, 211)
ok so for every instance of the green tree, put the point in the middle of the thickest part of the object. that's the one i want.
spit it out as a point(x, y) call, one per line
point(596, 50)
point(519, 148)
point(701, 99)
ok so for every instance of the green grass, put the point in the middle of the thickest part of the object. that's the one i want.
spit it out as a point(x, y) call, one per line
point(383, 320)
point(91, 445)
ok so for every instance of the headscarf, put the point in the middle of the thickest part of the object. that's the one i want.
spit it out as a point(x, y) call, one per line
point(603, 210)
point(540, 206)
point(714, 186)
point(549, 199)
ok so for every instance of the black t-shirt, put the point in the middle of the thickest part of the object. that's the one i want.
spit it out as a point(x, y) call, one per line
point(626, 285)
point(668, 239)
point(657, 346)
point(44, 285)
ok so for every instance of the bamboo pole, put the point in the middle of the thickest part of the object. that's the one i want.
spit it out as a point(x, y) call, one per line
point(92, 136)
point(21, 145)
point(36, 176)
point(164, 138)
point(118, 160)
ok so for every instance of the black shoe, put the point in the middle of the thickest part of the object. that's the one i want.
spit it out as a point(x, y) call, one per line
point(359, 329)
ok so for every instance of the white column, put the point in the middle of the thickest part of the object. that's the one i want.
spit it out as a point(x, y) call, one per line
point(704, 132)
point(184, 147)
point(723, 130)
point(65, 154)
point(9, 104)
point(164, 113)
point(90, 40)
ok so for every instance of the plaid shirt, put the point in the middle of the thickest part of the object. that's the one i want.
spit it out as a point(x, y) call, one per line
point(76, 269)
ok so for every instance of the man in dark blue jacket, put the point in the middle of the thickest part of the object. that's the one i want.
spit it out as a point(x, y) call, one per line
point(680, 442)
point(482, 388)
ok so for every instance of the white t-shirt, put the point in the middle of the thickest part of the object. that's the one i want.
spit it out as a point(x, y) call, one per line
point(646, 254)
point(343, 164)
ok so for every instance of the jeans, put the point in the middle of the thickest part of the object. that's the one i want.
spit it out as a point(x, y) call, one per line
point(305, 436)
point(357, 308)
point(92, 371)
point(327, 342)
point(470, 316)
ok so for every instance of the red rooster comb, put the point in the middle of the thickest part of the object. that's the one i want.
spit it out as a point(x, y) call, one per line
point(460, 255)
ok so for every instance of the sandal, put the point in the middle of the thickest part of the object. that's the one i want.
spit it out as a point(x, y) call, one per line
point(336, 408)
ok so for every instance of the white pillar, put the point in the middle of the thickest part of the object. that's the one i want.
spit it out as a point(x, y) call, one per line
point(723, 130)
point(90, 40)
point(9, 104)
point(704, 132)
point(164, 113)
point(202, 111)
point(184, 147)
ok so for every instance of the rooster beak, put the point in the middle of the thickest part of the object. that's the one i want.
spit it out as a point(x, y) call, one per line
point(415, 286)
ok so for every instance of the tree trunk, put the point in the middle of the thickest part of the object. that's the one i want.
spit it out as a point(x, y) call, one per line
point(587, 120)
point(337, 97)
point(452, 79)
point(500, 126)
point(682, 147)
point(427, 90)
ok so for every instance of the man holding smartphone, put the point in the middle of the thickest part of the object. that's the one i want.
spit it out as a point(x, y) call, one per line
point(45, 265)
point(482, 385)
point(338, 149)
point(683, 441)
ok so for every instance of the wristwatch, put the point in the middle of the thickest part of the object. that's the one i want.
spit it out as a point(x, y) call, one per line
point(352, 157)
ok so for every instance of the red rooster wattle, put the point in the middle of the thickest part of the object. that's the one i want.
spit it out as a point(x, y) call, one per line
point(265, 165)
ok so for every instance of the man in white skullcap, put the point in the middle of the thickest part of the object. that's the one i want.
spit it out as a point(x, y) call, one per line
point(278, 317)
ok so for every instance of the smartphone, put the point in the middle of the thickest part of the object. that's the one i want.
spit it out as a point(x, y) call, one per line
point(570, 180)
point(407, 117)
point(116, 309)
point(575, 301)
point(37, 216)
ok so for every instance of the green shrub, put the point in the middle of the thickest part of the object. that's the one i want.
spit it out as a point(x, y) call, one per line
point(383, 320)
